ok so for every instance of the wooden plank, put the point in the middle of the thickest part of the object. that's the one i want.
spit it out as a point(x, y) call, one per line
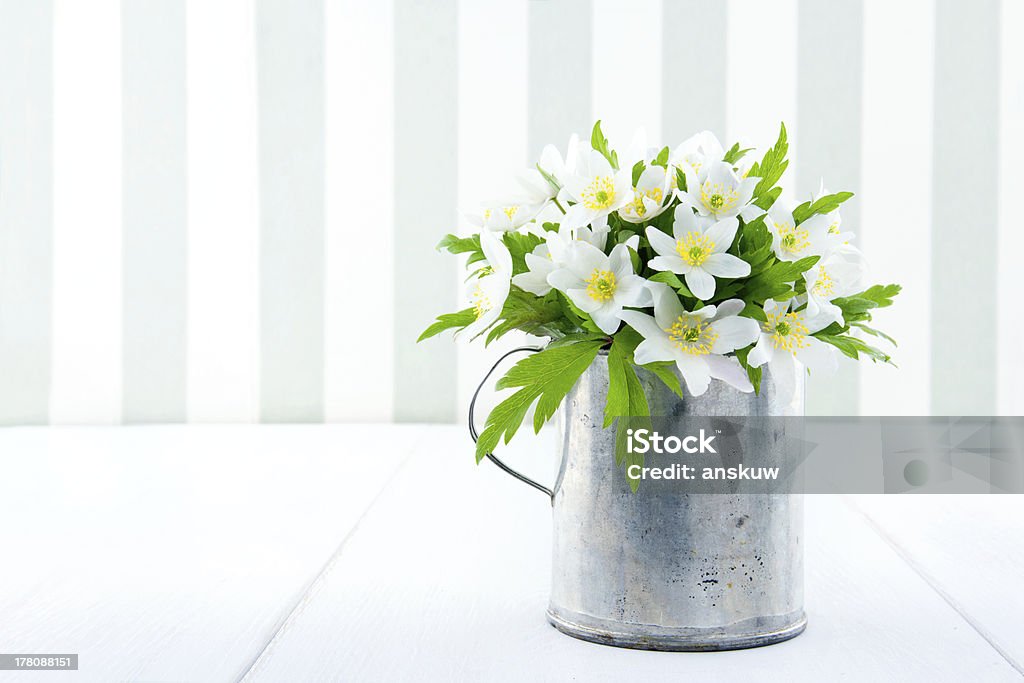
point(970, 548)
point(446, 578)
point(174, 553)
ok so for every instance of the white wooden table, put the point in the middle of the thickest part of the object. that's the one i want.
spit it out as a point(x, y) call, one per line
point(382, 553)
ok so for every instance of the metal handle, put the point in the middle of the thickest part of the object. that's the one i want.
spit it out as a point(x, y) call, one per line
point(472, 427)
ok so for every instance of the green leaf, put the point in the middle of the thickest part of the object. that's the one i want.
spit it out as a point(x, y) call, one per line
point(853, 347)
point(519, 245)
point(577, 337)
point(777, 280)
point(638, 170)
point(447, 321)
point(882, 295)
point(680, 180)
point(735, 154)
point(877, 333)
point(771, 166)
point(666, 372)
point(662, 158)
point(525, 312)
point(753, 374)
point(545, 378)
point(673, 281)
point(752, 310)
point(552, 180)
point(627, 403)
point(600, 143)
point(766, 200)
point(826, 204)
point(459, 245)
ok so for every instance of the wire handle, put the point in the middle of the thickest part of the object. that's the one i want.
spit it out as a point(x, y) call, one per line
point(472, 427)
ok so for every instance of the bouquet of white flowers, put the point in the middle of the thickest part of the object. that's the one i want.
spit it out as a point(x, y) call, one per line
point(682, 258)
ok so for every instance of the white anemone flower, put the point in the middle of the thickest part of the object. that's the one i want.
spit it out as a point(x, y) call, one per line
point(792, 242)
point(719, 192)
point(785, 344)
point(597, 189)
point(552, 162)
point(600, 285)
point(650, 196)
point(829, 278)
point(505, 217)
point(696, 341)
point(540, 264)
point(696, 250)
point(695, 153)
point(489, 289)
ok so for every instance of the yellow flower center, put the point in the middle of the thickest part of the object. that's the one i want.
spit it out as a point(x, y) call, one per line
point(824, 285)
point(599, 194)
point(481, 302)
point(509, 212)
point(717, 197)
point(792, 239)
point(787, 330)
point(692, 335)
point(834, 228)
point(637, 205)
point(695, 248)
point(601, 285)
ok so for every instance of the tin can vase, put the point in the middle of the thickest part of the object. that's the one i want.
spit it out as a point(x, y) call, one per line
point(664, 570)
point(661, 569)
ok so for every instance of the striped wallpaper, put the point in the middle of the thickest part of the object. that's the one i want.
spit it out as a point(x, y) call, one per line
point(225, 210)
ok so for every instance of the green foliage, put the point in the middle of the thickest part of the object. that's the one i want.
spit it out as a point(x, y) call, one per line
point(661, 159)
point(463, 245)
point(545, 378)
point(600, 143)
point(673, 281)
point(826, 204)
point(735, 154)
point(753, 374)
point(776, 282)
point(526, 312)
point(448, 321)
point(519, 245)
point(771, 167)
point(853, 347)
point(627, 403)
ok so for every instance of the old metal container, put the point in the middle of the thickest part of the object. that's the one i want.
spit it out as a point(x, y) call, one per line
point(662, 569)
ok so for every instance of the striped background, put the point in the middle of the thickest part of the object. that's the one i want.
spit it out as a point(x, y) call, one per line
point(224, 210)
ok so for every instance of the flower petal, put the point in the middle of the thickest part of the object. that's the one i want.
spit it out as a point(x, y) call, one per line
point(734, 333)
point(664, 244)
point(701, 283)
point(722, 233)
point(763, 352)
point(726, 265)
point(729, 371)
point(694, 370)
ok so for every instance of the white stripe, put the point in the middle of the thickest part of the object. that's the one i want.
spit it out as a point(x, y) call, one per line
point(87, 213)
point(761, 69)
point(223, 231)
point(492, 143)
point(626, 75)
point(1010, 367)
point(360, 180)
point(896, 200)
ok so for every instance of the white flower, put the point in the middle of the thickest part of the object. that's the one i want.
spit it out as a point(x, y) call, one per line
point(832, 276)
point(695, 341)
point(505, 217)
point(552, 163)
point(719, 192)
point(489, 289)
point(600, 285)
point(694, 154)
point(649, 196)
point(595, 234)
point(697, 251)
point(597, 189)
point(541, 264)
point(792, 242)
point(785, 344)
